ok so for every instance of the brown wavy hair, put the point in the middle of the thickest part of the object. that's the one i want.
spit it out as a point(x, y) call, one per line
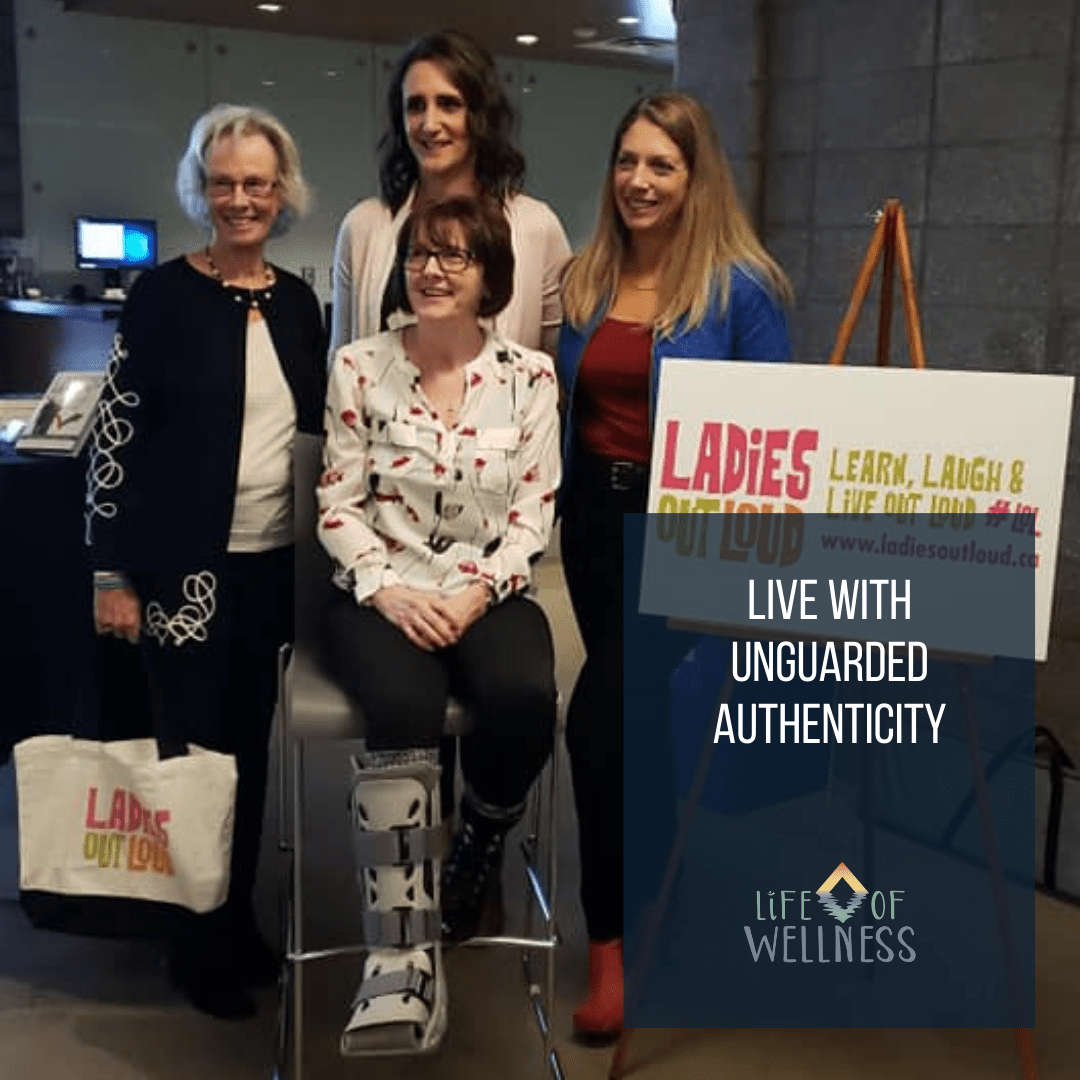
point(500, 166)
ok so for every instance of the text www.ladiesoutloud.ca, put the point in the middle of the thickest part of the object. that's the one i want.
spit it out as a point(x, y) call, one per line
point(912, 548)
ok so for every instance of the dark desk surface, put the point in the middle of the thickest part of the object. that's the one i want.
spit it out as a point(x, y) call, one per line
point(38, 338)
point(59, 308)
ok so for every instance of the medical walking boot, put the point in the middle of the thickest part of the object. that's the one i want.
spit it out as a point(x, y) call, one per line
point(400, 1007)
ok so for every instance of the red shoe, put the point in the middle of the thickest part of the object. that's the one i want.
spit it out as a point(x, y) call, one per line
point(600, 1016)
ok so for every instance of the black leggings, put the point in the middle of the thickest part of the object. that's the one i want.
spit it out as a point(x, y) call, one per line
point(504, 666)
point(592, 550)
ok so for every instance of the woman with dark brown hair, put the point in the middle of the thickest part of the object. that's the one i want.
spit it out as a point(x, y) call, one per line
point(448, 133)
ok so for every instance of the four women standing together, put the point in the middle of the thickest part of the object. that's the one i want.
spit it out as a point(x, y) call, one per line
point(442, 465)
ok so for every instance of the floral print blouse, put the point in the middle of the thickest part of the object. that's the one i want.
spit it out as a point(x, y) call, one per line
point(406, 500)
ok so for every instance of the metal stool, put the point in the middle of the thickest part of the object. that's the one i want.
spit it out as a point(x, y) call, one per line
point(312, 706)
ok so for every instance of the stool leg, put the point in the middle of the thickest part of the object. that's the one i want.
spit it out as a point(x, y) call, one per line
point(552, 883)
point(298, 910)
point(540, 887)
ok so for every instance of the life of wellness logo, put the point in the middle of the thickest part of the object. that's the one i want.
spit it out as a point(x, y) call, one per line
point(816, 927)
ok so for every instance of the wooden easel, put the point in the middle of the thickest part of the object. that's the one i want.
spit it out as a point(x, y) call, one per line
point(889, 245)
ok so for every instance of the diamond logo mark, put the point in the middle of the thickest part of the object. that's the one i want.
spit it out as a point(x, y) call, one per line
point(829, 902)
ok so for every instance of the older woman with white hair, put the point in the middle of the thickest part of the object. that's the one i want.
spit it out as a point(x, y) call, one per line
point(219, 358)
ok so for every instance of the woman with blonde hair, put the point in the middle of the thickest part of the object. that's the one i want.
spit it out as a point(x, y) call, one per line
point(218, 360)
point(673, 269)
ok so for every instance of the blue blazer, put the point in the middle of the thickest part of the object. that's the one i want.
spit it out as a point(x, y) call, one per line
point(752, 327)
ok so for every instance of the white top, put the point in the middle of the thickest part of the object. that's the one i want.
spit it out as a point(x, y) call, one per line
point(406, 500)
point(263, 511)
point(364, 256)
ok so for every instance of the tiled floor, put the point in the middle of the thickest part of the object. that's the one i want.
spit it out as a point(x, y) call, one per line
point(89, 1009)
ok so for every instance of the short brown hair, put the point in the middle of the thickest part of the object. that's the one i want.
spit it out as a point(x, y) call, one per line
point(487, 236)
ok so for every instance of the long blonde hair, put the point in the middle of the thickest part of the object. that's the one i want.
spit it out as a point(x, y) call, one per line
point(713, 232)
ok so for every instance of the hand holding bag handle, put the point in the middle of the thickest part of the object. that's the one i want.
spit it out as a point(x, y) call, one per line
point(121, 663)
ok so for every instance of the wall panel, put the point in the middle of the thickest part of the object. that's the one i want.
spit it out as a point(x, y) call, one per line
point(107, 105)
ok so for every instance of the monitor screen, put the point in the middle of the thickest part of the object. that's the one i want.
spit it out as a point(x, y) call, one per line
point(115, 243)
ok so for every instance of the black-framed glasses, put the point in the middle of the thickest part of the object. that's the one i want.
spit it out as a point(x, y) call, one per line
point(219, 188)
point(450, 260)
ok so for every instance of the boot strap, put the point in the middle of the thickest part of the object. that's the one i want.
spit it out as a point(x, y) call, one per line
point(402, 927)
point(399, 846)
point(408, 981)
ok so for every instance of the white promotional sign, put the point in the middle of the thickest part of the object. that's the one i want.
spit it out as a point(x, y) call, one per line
point(944, 450)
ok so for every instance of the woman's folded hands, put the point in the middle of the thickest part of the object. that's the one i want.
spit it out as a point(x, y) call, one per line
point(429, 619)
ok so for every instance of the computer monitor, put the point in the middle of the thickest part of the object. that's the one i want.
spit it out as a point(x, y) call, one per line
point(114, 245)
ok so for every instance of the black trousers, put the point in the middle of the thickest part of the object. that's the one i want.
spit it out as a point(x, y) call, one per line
point(504, 666)
point(220, 692)
point(593, 559)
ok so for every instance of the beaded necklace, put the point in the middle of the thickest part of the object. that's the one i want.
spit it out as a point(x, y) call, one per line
point(238, 291)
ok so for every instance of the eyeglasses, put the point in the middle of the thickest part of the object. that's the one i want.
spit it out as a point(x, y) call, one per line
point(219, 188)
point(449, 260)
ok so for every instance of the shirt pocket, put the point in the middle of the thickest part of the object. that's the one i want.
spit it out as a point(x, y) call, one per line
point(401, 450)
point(495, 452)
point(405, 436)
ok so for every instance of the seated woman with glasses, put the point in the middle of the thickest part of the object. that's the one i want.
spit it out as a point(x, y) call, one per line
point(438, 496)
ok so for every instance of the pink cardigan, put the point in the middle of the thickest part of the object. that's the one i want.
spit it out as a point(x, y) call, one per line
point(364, 257)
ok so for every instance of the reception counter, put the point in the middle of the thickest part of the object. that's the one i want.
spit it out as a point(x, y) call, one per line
point(40, 337)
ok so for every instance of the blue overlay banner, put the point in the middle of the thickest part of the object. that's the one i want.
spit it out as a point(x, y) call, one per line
point(838, 868)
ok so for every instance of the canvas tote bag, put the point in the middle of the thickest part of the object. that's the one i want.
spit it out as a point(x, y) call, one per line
point(116, 839)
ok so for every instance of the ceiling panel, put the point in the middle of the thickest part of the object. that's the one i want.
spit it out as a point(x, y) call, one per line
point(559, 25)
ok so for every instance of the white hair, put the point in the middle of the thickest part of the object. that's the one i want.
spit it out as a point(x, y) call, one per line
point(221, 122)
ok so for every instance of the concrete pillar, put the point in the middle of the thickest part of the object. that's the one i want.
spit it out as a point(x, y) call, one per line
point(966, 110)
point(718, 62)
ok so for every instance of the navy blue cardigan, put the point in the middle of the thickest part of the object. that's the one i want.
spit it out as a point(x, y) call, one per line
point(166, 445)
